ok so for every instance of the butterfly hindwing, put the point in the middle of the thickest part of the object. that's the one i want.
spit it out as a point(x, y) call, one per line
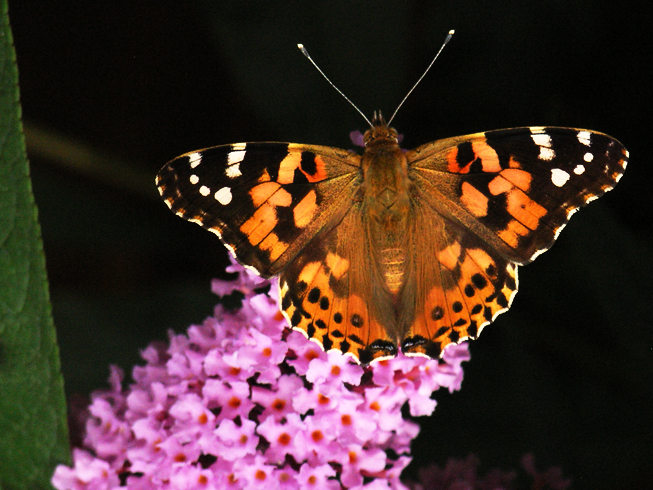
point(517, 188)
point(460, 284)
point(264, 200)
point(333, 293)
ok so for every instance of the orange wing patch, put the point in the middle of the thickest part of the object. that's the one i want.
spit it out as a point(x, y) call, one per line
point(272, 244)
point(304, 211)
point(461, 157)
point(520, 206)
point(337, 264)
point(294, 161)
point(517, 177)
point(450, 255)
point(474, 200)
point(262, 192)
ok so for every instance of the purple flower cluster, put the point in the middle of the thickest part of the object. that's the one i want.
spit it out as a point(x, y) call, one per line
point(242, 402)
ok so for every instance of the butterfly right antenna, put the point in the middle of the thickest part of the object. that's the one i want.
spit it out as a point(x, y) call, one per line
point(451, 32)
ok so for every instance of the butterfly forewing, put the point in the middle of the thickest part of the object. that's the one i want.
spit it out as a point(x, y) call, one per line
point(264, 200)
point(517, 188)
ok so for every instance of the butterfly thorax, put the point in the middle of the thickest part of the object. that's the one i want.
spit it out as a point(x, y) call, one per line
point(386, 203)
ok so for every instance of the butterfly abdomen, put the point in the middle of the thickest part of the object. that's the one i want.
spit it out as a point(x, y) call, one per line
point(386, 205)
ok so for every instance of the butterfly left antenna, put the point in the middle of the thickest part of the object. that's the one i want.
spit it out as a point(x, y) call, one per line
point(303, 50)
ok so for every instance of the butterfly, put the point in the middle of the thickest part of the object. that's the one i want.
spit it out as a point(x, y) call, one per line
point(389, 249)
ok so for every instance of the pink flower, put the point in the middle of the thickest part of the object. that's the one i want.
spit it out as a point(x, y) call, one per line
point(317, 478)
point(278, 403)
point(188, 477)
point(335, 368)
point(285, 438)
point(242, 402)
point(87, 473)
point(358, 462)
point(230, 399)
point(319, 439)
point(255, 473)
point(232, 440)
point(305, 352)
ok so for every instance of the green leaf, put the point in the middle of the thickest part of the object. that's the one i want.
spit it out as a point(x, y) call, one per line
point(33, 429)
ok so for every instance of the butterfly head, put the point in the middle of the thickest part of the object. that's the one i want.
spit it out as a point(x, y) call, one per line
point(380, 133)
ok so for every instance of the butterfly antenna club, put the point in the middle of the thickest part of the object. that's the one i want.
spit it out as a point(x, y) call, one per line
point(447, 39)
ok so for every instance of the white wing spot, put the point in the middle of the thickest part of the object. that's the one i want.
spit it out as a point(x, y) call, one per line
point(195, 159)
point(588, 157)
point(233, 171)
point(223, 196)
point(579, 169)
point(205, 191)
point(537, 130)
point(235, 157)
point(194, 179)
point(559, 177)
point(584, 137)
point(592, 198)
point(546, 154)
point(238, 146)
point(542, 139)
point(561, 227)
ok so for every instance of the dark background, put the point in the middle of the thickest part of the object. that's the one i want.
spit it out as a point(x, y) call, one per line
point(113, 90)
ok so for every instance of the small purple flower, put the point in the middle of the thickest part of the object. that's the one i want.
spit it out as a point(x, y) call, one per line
point(231, 440)
point(317, 478)
point(88, 472)
point(255, 473)
point(242, 402)
point(305, 352)
point(334, 369)
point(319, 439)
point(278, 403)
point(356, 138)
point(187, 477)
point(285, 438)
point(230, 399)
point(357, 462)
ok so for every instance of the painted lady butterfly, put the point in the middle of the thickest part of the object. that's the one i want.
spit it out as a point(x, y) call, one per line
point(415, 249)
